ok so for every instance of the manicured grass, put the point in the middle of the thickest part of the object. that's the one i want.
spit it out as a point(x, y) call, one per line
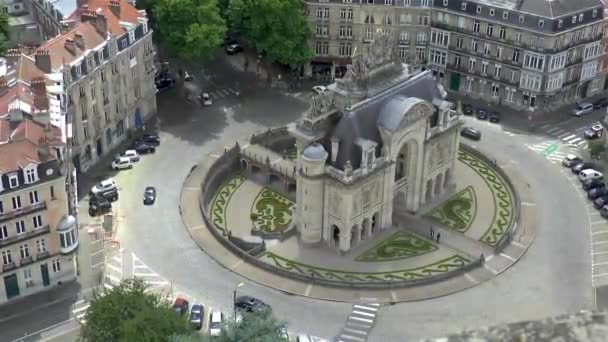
point(400, 245)
point(271, 211)
point(220, 201)
point(458, 212)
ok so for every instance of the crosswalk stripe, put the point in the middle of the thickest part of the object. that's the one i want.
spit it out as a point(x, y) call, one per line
point(565, 136)
point(355, 331)
point(574, 140)
point(545, 126)
point(352, 338)
point(362, 307)
point(367, 320)
point(232, 90)
point(108, 286)
point(116, 268)
point(554, 129)
point(83, 308)
point(363, 313)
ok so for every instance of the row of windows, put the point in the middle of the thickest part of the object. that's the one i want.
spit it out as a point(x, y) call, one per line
point(30, 176)
point(34, 199)
point(20, 227)
point(423, 3)
point(24, 251)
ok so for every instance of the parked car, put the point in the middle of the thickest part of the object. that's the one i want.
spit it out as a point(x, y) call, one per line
point(593, 183)
point(108, 195)
point(104, 185)
point(589, 174)
point(596, 193)
point(164, 83)
point(595, 131)
point(122, 163)
point(604, 211)
point(283, 334)
point(600, 202)
point(150, 139)
point(471, 133)
point(180, 305)
point(131, 154)
point(576, 169)
point(196, 316)
point(495, 117)
point(467, 109)
point(308, 338)
point(319, 89)
point(582, 109)
point(100, 207)
point(143, 147)
point(187, 76)
point(216, 319)
point(206, 99)
point(250, 304)
point(571, 160)
point(149, 195)
point(601, 103)
point(482, 114)
point(233, 48)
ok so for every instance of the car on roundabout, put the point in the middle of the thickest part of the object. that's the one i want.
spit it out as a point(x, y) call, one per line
point(592, 184)
point(597, 193)
point(595, 131)
point(143, 147)
point(181, 305)
point(470, 133)
point(582, 109)
point(104, 185)
point(250, 304)
point(600, 202)
point(571, 160)
point(494, 117)
point(149, 195)
point(467, 109)
point(482, 114)
point(589, 174)
point(600, 103)
point(131, 154)
point(319, 89)
point(576, 169)
point(100, 206)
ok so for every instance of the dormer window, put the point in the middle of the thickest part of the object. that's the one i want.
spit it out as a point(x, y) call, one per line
point(13, 180)
point(478, 9)
point(594, 14)
point(541, 23)
point(574, 19)
point(505, 15)
point(131, 36)
point(521, 19)
point(463, 6)
point(31, 175)
point(580, 17)
point(491, 12)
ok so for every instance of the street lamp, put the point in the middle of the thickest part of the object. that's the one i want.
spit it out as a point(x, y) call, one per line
point(234, 299)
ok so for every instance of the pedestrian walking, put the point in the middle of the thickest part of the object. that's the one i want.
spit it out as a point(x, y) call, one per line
point(432, 233)
point(438, 236)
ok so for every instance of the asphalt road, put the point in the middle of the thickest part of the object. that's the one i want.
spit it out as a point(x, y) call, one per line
point(553, 277)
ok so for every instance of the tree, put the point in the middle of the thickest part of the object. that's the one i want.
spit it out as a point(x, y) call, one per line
point(4, 33)
point(596, 148)
point(252, 327)
point(193, 29)
point(277, 27)
point(128, 313)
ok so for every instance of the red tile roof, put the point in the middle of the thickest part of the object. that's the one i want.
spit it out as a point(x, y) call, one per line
point(60, 54)
point(127, 13)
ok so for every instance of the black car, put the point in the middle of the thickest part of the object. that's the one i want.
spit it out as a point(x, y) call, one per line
point(600, 202)
point(467, 109)
point(471, 133)
point(250, 304)
point(604, 211)
point(596, 193)
point(600, 103)
point(151, 139)
point(181, 306)
point(233, 48)
point(482, 114)
point(196, 316)
point(592, 184)
point(149, 195)
point(100, 207)
point(495, 117)
point(142, 147)
point(164, 83)
point(576, 169)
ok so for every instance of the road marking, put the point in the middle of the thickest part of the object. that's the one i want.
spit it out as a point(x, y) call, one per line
point(507, 256)
point(561, 136)
point(599, 253)
point(308, 289)
point(81, 309)
point(355, 338)
point(214, 156)
point(197, 227)
point(108, 286)
point(517, 244)
point(600, 232)
point(363, 307)
point(489, 257)
point(470, 278)
point(191, 188)
point(98, 264)
point(495, 272)
point(600, 275)
point(116, 268)
point(528, 204)
point(237, 264)
point(366, 320)
point(111, 277)
point(597, 222)
point(156, 282)
point(100, 251)
point(394, 296)
point(599, 243)
point(545, 126)
point(600, 263)
point(574, 140)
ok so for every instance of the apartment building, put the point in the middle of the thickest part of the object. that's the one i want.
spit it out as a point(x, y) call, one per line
point(100, 78)
point(527, 54)
point(38, 237)
point(340, 27)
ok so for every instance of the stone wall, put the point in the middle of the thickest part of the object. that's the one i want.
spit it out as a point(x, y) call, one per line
point(278, 140)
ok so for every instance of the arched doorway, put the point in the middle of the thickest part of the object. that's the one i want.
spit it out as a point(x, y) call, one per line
point(108, 137)
point(374, 224)
point(354, 235)
point(447, 178)
point(365, 230)
point(87, 153)
point(244, 165)
point(429, 190)
point(273, 179)
point(438, 183)
point(406, 179)
point(335, 236)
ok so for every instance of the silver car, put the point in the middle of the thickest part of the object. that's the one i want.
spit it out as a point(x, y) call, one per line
point(582, 109)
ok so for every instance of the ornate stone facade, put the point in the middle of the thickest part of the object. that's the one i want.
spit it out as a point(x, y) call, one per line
point(380, 139)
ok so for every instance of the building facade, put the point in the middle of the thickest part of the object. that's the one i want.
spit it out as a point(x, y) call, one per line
point(527, 54)
point(38, 237)
point(382, 138)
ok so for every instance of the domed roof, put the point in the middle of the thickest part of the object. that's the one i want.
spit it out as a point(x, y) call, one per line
point(393, 112)
point(67, 223)
point(315, 152)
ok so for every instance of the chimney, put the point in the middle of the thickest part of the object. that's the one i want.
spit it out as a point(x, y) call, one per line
point(12, 55)
point(79, 40)
point(81, 3)
point(98, 20)
point(15, 116)
point(3, 85)
point(335, 145)
point(70, 45)
point(43, 60)
point(115, 7)
point(43, 148)
point(41, 100)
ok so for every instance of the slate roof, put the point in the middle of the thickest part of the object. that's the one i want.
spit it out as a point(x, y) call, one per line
point(556, 8)
point(362, 122)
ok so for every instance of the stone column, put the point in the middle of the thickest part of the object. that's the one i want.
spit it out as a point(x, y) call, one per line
point(345, 241)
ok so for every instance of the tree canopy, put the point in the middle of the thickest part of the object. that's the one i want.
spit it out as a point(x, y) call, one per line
point(128, 313)
point(4, 33)
point(193, 29)
point(277, 27)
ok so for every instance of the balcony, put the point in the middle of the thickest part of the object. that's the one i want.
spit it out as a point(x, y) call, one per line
point(570, 82)
point(26, 261)
point(9, 267)
point(27, 235)
point(573, 61)
point(23, 211)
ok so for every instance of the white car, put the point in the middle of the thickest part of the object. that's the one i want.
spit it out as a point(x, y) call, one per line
point(216, 319)
point(582, 109)
point(132, 155)
point(570, 159)
point(319, 89)
point(589, 174)
point(308, 338)
point(206, 100)
point(122, 163)
point(104, 185)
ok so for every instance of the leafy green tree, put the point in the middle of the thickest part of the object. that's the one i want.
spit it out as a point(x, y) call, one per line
point(128, 313)
point(596, 148)
point(4, 33)
point(192, 29)
point(277, 27)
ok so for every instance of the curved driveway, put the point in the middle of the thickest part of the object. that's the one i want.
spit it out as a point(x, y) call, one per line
point(554, 276)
